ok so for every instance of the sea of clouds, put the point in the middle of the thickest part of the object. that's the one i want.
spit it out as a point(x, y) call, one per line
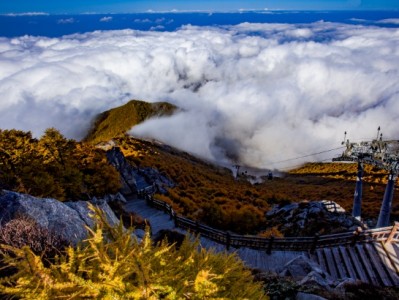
point(255, 94)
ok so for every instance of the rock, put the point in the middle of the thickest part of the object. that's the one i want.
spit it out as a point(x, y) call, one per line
point(117, 198)
point(288, 208)
point(66, 219)
point(273, 211)
point(136, 180)
point(81, 207)
point(301, 223)
point(303, 215)
point(154, 176)
point(310, 218)
point(127, 171)
point(341, 286)
point(306, 296)
point(318, 278)
point(300, 267)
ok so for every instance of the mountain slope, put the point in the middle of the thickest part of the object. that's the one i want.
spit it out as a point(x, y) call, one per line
point(211, 194)
point(116, 121)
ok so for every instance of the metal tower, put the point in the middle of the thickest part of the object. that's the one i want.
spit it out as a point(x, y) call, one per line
point(379, 153)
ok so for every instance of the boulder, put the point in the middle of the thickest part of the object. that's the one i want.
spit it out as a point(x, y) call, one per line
point(66, 219)
point(299, 267)
point(319, 279)
point(309, 218)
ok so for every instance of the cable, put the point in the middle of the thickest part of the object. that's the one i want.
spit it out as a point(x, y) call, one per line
point(300, 165)
point(295, 158)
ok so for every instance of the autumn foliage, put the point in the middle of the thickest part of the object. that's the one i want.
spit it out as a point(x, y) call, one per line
point(113, 264)
point(210, 194)
point(54, 166)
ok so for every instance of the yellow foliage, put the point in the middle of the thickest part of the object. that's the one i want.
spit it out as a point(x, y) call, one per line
point(54, 166)
point(210, 194)
point(113, 264)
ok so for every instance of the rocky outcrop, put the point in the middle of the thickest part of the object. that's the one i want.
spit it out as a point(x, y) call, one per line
point(127, 171)
point(136, 180)
point(66, 219)
point(310, 218)
point(160, 182)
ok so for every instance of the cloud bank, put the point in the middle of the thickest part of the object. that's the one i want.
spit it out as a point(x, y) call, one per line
point(255, 94)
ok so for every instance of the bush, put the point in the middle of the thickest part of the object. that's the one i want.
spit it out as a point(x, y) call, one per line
point(23, 231)
point(113, 264)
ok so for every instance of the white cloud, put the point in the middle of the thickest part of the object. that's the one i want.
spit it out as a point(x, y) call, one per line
point(158, 27)
point(256, 93)
point(106, 19)
point(389, 21)
point(142, 21)
point(66, 21)
point(27, 14)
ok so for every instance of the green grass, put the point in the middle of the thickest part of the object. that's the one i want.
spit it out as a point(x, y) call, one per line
point(119, 120)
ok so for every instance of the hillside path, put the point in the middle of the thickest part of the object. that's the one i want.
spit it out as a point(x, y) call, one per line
point(256, 259)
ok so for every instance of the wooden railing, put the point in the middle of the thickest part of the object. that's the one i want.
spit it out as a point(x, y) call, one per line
point(385, 235)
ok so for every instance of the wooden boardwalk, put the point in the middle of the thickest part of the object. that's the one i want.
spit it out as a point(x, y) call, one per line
point(253, 258)
point(371, 256)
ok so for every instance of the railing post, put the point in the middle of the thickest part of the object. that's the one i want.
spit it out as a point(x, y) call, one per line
point(314, 243)
point(270, 245)
point(197, 227)
point(228, 240)
point(393, 232)
point(175, 219)
point(147, 198)
point(355, 237)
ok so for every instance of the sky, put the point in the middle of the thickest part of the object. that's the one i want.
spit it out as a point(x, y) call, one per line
point(125, 6)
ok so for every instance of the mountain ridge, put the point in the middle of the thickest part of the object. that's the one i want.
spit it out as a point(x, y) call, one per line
point(119, 120)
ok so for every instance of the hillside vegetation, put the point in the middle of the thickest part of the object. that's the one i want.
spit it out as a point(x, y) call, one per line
point(119, 120)
point(346, 171)
point(113, 264)
point(54, 166)
point(210, 194)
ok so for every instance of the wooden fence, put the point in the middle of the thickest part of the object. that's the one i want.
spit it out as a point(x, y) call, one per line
point(385, 235)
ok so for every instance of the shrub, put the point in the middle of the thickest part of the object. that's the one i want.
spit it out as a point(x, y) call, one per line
point(113, 264)
point(23, 231)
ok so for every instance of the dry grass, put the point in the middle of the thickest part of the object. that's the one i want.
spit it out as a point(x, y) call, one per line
point(210, 194)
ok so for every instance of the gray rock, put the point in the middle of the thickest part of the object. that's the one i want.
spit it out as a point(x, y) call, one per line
point(300, 267)
point(301, 223)
point(65, 219)
point(318, 278)
point(341, 286)
point(306, 296)
point(302, 215)
point(273, 211)
point(154, 176)
point(309, 218)
point(127, 171)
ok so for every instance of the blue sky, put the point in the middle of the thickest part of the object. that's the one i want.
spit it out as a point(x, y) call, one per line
point(108, 6)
